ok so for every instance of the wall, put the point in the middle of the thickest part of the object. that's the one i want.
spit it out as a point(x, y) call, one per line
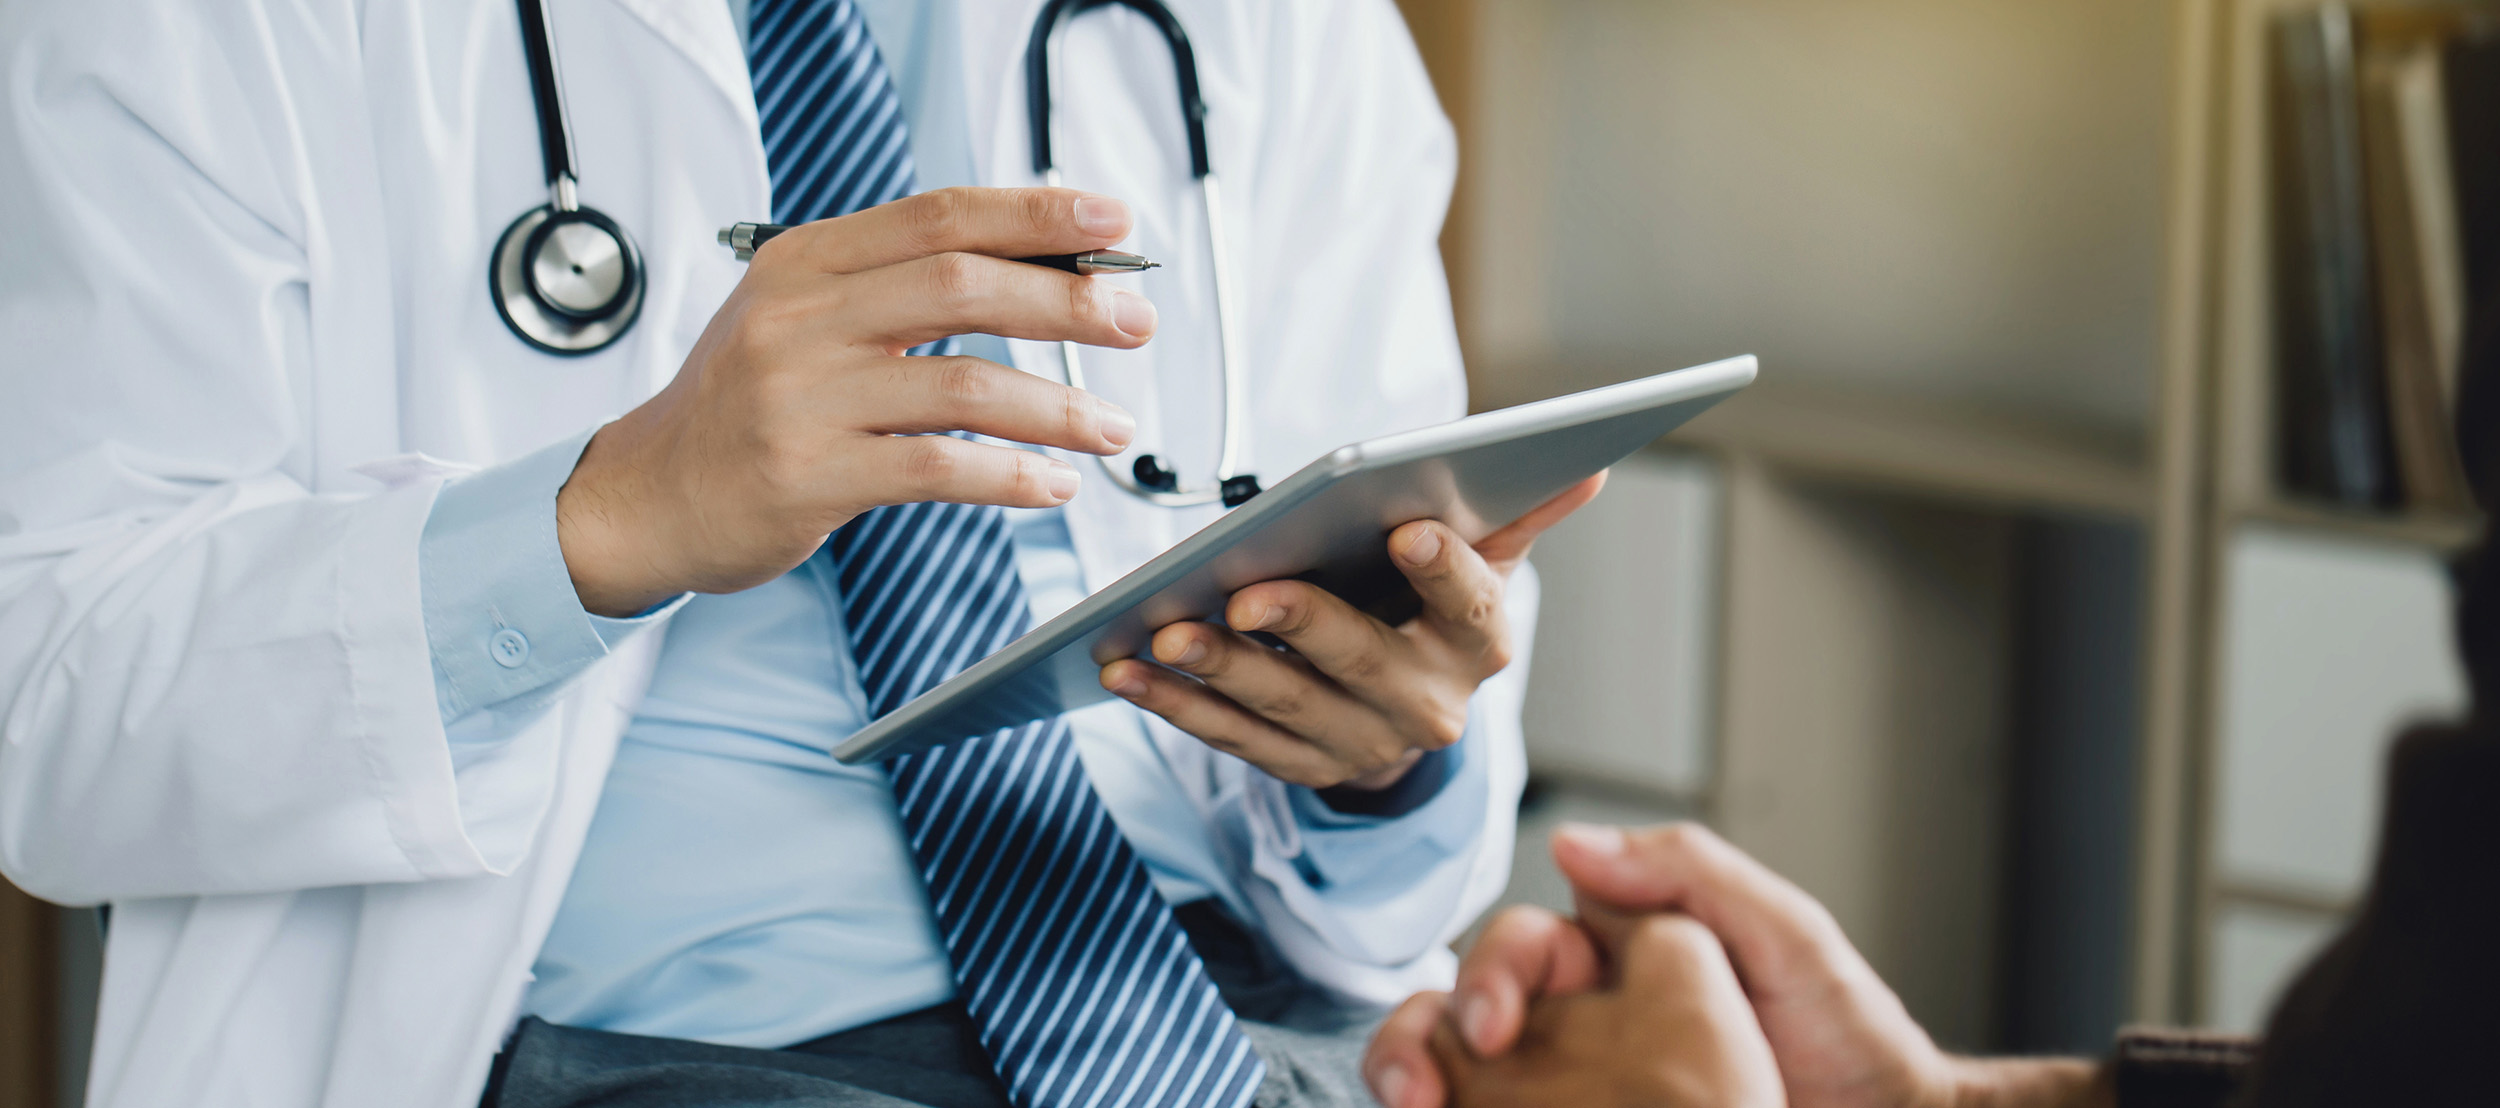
point(1956, 198)
point(1869, 650)
point(1623, 689)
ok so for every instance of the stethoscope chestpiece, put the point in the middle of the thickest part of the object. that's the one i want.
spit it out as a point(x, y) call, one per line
point(567, 281)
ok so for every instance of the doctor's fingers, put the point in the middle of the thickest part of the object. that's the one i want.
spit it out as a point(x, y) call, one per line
point(909, 469)
point(926, 299)
point(1224, 725)
point(1294, 693)
point(921, 395)
point(1462, 594)
point(1002, 223)
point(1370, 659)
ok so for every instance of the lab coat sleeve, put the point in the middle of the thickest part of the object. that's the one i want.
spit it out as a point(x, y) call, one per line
point(505, 629)
point(1360, 161)
point(213, 679)
point(504, 626)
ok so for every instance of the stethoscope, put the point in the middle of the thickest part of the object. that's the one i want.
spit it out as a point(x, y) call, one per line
point(565, 278)
point(568, 280)
point(1148, 478)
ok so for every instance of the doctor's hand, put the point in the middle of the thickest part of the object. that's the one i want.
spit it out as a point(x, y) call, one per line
point(797, 409)
point(1356, 701)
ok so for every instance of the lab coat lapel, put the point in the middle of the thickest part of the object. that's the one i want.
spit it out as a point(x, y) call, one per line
point(704, 33)
point(992, 36)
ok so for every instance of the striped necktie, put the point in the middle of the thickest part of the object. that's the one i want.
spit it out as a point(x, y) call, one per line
point(1084, 988)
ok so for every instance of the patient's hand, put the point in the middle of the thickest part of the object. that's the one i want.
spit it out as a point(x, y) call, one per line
point(1840, 1036)
point(1638, 1010)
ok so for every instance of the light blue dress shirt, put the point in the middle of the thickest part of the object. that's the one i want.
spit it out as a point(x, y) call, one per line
point(738, 885)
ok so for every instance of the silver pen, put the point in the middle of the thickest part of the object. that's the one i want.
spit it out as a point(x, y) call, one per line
point(743, 238)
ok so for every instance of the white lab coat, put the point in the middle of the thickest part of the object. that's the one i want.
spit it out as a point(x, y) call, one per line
point(244, 337)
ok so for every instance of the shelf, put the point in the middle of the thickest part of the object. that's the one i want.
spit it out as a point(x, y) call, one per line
point(2442, 532)
point(2282, 897)
point(1929, 449)
point(1910, 446)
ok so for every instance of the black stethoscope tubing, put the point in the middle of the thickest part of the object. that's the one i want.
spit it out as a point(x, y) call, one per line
point(555, 124)
point(1184, 70)
point(1148, 478)
point(566, 279)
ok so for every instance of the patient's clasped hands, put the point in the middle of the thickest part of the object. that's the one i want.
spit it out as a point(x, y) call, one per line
point(1693, 976)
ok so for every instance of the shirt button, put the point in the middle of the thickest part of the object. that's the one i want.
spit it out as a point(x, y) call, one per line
point(510, 648)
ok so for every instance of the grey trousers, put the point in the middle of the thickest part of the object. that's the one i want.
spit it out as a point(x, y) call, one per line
point(927, 1059)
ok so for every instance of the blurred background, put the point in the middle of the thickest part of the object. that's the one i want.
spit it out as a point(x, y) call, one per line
point(2047, 607)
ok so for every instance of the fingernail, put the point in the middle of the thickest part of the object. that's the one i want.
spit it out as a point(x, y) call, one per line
point(1190, 652)
point(1475, 1021)
point(1605, 842)
point(1118, 427)
point(1101, 215)
point(1063, 480)
point(1132, 314)
point(1425, 546)
point(1390, 1085)
point(1127, 687)
point(1263, 617)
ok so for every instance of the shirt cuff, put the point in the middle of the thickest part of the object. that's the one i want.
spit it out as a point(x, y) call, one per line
point(501, 617)
point(1435, 818)
point(1422, 782)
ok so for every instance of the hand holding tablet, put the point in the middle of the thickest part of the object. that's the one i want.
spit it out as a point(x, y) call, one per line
point(1326, 525)
point(1355, 700)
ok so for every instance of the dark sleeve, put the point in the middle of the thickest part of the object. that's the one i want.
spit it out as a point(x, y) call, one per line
point(1422, 782)
point(2156, 1067)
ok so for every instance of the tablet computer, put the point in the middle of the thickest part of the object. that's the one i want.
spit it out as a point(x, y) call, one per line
point(1329, 524)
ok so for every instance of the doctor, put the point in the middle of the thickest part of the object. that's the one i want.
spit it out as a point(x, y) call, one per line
point(393, 695)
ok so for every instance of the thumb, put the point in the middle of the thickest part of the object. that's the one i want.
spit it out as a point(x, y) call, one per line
point(1506, 548)
point(1776, 934)
point(1610, 926)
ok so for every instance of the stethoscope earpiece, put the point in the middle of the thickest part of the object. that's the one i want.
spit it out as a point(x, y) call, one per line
point(1239, 488)
point(1151, 474)
point(567, 279)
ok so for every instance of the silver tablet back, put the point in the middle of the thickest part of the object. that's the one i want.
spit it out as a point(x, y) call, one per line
point(1327, 523)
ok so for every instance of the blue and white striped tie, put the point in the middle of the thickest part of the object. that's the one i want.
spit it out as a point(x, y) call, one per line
point(1084, 988)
